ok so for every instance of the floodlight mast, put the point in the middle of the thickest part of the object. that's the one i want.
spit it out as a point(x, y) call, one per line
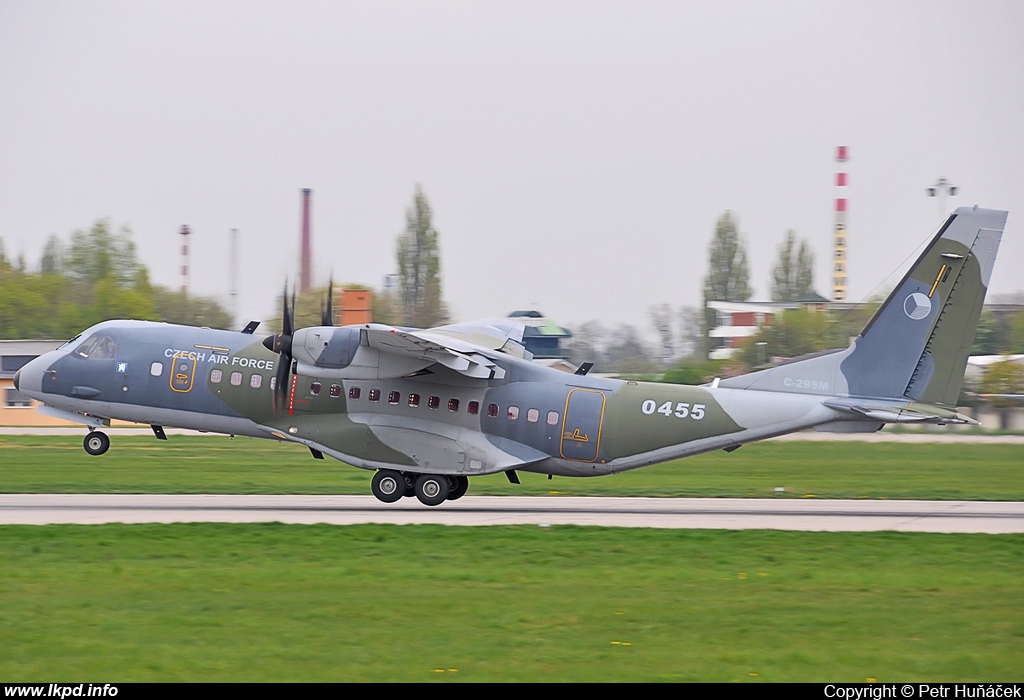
point(941, 189)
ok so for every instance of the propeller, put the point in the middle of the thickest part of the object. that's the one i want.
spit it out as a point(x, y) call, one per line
point(282, 344)
point(327, 314)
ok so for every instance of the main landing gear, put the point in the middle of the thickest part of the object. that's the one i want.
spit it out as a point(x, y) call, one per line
point(96, 443)
point(389, 486)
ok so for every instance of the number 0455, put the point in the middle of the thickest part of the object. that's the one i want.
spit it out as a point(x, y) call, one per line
point(679, 410)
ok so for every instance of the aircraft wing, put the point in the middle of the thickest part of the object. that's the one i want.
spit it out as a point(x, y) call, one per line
point(450, 346)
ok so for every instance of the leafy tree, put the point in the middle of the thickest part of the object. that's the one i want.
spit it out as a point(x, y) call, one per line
point(728, 277)
point(100, 278)
point(987, 337)
point(419, 267)
point(53, 257)
point(1016, 333)
point(387, 308)
point(793, 333)
point(1002, 378)
point(793, 274)
point(172, 306)
point(98, 253)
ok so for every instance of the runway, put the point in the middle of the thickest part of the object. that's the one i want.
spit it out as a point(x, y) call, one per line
point(713, 513)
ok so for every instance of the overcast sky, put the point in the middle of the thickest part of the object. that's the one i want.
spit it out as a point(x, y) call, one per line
point(576, 154)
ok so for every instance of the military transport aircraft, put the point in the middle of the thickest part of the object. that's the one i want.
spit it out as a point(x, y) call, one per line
point(427, 409)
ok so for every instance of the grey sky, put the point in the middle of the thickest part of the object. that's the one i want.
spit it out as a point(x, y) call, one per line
point(576, 154)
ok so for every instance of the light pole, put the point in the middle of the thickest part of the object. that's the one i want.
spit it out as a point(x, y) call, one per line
point(762, 359)
point(942, 188)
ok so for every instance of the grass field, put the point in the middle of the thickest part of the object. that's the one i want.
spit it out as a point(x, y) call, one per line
point(31, 464)
point(219, 602)
point(213, 602)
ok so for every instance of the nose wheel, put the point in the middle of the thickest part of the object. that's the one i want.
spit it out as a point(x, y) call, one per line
point(96, 443)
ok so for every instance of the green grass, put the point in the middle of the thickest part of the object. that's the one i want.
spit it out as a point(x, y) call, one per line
point(222, 602)
point(33, 464)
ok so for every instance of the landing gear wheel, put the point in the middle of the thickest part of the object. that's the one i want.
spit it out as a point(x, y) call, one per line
point(432, 490)
point(388, 486)
point(457, 486)
point(96, 443)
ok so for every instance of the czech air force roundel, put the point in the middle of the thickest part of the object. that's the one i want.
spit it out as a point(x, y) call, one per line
point(917, 306)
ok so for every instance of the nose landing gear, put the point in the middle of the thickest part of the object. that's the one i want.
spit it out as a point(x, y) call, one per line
point(96, 443)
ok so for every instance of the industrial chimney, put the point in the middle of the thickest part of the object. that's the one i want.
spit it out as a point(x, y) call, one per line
point(305, 278)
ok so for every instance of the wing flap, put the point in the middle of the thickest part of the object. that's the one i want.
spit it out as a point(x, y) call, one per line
point(458, 355)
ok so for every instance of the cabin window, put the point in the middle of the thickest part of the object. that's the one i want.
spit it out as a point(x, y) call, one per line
point(492, 410)
point(414, 400)
point(513, 412)
point(533, 415)
point(335, 390)
point(394, 397)
point(256, 381)
point(216, 376)
point(236, 379)
point(433, 402)
point(473, 408)
point(374, 395)
point(353, 393)
point(453, 405)
point(552, 417)
point(156, 369)
point(314, 388)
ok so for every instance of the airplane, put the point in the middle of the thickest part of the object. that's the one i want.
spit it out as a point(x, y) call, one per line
point(428, 409)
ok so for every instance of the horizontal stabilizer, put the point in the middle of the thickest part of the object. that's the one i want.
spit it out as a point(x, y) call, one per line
point(903, 414)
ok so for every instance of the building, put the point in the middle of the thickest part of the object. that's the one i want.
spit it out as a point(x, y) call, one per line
point(17, 408)
point(542, 336)
point(737, 320)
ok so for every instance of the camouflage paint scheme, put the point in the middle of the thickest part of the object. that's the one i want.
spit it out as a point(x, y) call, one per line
point(906, 366)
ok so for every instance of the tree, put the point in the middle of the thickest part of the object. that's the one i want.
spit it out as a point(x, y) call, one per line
point(99, 278)
point(419, 267)
point(53, 257)
point(793, 274)
point(1002, 380)
point(728, 278)
point(1015, 341)
point(99, 253)
point(793, 333)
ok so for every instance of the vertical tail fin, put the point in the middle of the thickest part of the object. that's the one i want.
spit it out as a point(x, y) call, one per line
point(916, 346)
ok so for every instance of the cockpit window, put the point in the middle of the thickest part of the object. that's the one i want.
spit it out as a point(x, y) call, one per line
point(101, 347)
point(69, 342)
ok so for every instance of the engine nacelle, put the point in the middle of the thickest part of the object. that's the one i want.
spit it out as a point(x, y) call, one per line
point(340, 353)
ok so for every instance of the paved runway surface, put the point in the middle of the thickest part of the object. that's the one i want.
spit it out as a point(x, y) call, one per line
point(717, 513)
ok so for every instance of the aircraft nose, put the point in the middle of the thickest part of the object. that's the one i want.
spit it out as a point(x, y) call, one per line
point(29, 379)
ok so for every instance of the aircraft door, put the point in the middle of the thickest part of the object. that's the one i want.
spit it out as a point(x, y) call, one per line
point(183, 372)
point(581, 426)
